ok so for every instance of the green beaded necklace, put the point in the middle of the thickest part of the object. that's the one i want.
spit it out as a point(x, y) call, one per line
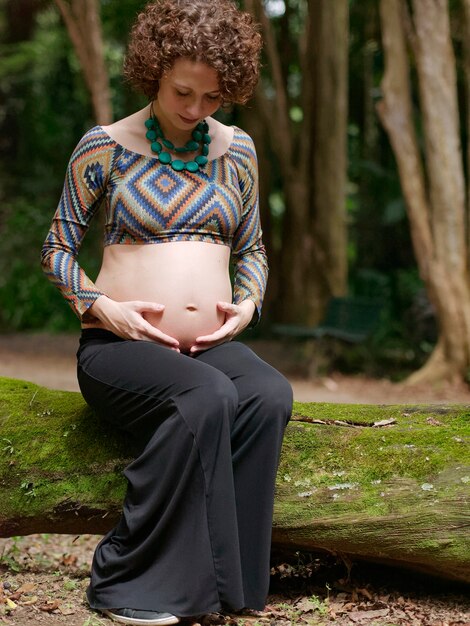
point(200, 141)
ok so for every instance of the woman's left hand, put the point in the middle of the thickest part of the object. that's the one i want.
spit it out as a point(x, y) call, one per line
point(237, 318)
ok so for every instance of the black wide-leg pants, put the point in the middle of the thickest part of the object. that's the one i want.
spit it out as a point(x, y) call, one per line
point(195, 532)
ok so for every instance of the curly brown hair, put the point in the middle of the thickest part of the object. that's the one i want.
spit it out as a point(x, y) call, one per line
point(214, 32)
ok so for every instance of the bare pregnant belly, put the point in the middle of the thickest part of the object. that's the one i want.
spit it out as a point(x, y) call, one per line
point(188, 278)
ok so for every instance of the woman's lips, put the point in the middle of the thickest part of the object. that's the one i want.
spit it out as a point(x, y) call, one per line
point(188, 121)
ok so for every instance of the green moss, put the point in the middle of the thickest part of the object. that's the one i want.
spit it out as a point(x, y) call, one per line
point(367, 414)
point(364, 489)
point(355, 489)
point(416, 469)
point(53, 448)
point(412, 447)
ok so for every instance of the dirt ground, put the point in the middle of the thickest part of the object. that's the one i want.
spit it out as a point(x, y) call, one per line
point(43, 580)
point(43, 577)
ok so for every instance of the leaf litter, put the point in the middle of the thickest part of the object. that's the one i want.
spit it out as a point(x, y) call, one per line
point(43, 580)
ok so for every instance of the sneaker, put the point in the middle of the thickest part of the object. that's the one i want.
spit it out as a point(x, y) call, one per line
point(140, 618)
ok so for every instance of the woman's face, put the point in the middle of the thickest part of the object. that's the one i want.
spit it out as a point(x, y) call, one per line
point(188, 93)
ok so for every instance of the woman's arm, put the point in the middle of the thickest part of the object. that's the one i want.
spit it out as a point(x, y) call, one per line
point(85, 185)
point(248, 254)
point(87, 177)
point(248, 251)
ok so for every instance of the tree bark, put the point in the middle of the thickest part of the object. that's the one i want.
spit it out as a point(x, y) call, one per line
point(329, 76)
point(466, 51)
point(382, 483)
point(83, 23)
point(434, 191)
point(311, 156)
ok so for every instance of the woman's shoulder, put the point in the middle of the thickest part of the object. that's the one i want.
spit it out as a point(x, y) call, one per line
point(243, 152)
point(95, 155)
point(95, 141)
point(228, 139)
point(221, 138)
point(126, 128)
point(242, 141)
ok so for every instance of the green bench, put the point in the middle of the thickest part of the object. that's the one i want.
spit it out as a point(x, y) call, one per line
point(350, 319)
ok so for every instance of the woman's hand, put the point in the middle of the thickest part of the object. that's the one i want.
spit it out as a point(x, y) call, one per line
point(126, 319)
point(237, 318)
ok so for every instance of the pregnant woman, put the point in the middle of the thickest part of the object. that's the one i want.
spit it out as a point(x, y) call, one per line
point(204, 416)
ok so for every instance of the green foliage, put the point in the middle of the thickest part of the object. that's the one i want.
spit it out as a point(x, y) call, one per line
point(10, 557)
point(46, 108)
point(46, 93)
point(94, 621)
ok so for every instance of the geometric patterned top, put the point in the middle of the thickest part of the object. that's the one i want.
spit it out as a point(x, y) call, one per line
point(147, 202)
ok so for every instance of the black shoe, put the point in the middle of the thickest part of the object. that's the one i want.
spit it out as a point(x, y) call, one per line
point(140, 618)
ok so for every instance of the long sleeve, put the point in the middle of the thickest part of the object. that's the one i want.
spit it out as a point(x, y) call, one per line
point(84, 188)
point(249, 254)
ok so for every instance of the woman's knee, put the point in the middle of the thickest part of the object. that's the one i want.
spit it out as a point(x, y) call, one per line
point(258, 383)
point(281, 398)
point(212, 398)
point(275, 397)
point(219, 392)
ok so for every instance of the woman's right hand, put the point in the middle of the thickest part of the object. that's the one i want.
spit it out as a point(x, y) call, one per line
point(126, 319)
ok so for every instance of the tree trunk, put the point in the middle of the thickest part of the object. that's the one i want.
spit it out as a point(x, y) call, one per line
point(311, 157)
point(20, 20)
point(383, 483)
point(434, 193)
point(83, 23)
point(466, 51)
point(329, 76)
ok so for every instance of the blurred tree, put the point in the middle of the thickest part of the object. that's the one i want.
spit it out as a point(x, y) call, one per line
point(83, 22)
point(305, 97)
point(466, 54)
point(18, 22)
point(432, 175)
point(45, 106)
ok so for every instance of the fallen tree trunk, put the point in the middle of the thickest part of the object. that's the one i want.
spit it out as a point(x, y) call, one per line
point(382, 483)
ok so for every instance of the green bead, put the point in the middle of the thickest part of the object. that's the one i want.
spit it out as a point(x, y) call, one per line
point(200, 140)
point(178, 165)
point(192, 166)
point(165, 158)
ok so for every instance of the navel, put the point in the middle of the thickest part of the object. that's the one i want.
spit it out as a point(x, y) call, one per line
point(191, 307)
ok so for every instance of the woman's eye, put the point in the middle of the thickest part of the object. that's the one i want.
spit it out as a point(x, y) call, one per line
point(213, 97)
point(180, 93)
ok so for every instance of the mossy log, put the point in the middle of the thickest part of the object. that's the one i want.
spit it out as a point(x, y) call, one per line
point(382, 483)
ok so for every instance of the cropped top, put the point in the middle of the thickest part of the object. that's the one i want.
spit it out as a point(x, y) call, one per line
point(147, 202)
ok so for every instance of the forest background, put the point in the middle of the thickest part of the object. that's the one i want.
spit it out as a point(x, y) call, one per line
point(361, 123)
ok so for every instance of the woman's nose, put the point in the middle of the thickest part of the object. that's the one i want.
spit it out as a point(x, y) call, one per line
point(195, 109)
